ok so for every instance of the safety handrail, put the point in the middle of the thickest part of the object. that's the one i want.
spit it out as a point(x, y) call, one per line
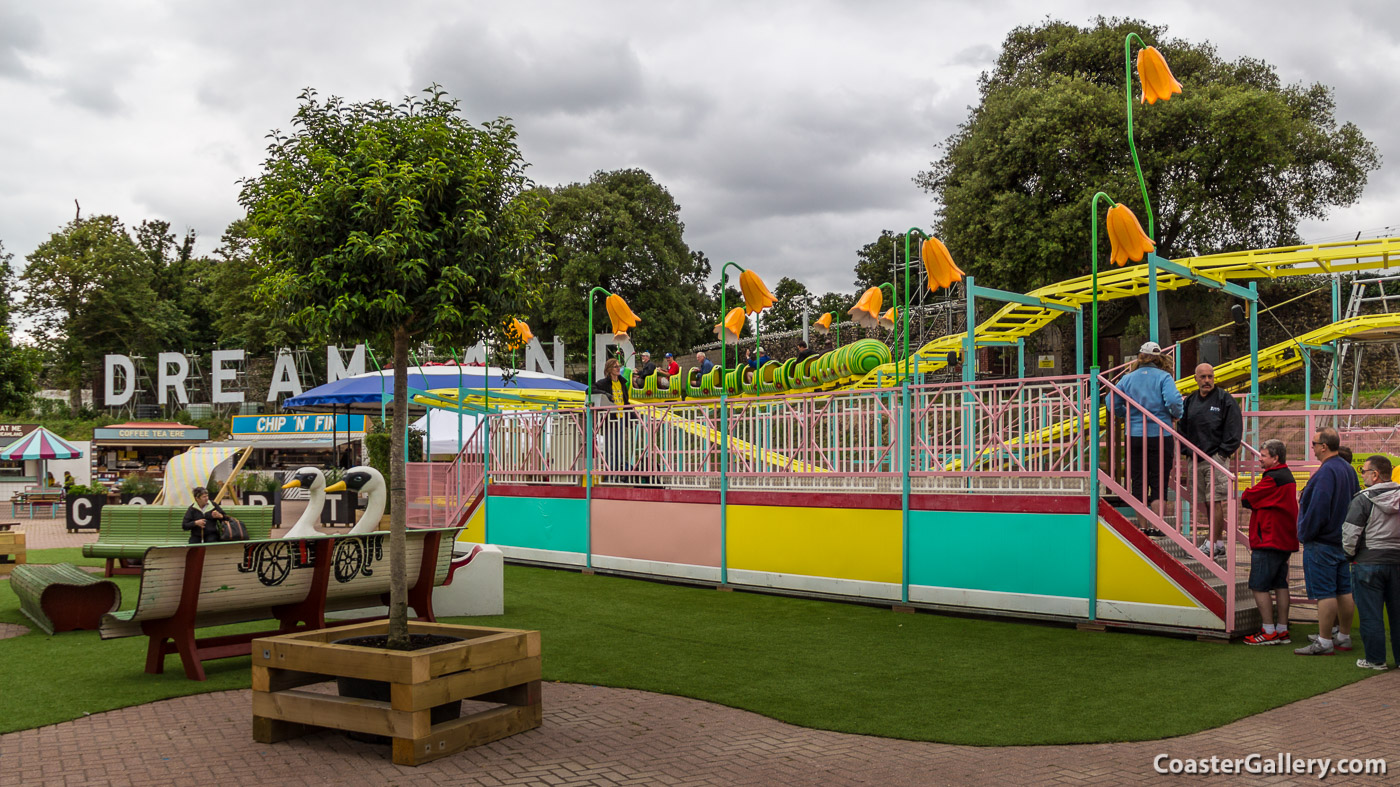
point(1179, 481)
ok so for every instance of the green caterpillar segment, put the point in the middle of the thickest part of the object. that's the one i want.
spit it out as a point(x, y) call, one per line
point(787, 375)
point(768, 377)
point(849, 361)
point(866, 355)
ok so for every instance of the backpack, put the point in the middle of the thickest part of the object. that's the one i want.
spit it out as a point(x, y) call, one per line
point(230, 529)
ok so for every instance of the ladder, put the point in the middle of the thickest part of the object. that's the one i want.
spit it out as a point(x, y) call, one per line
point(1356, 305)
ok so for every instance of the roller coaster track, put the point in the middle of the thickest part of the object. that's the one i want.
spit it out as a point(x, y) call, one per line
point(1016, 321)
point(1274, 361)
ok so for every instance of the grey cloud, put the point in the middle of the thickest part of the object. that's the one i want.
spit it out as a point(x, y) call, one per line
point(496, 74)
point(19, 34)
point(978, 56)
point(95, 95)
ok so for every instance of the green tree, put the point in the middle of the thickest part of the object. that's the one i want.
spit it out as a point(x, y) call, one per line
point(239, 318)
point(835, 302)
point(178, 278)
point(19, 366)
point(397, 223)
point(792, 298)
point(875, 261)
point(88, 290)
point(1233, 163)
point(622, 231)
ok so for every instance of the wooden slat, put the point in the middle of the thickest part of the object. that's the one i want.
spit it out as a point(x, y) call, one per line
point(268, 679)
point(465, 685)
point(486, 651)
point(343, 660)
point(344, 713)
point(466, 732)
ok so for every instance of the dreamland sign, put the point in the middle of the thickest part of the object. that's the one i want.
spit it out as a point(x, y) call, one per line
point(173, 371)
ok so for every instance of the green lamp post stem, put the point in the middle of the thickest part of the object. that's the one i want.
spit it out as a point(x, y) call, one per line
point(1094, 266)
point(724, 431)
point(1132, 146)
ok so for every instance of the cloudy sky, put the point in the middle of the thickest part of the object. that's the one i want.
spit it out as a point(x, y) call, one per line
point(788, 132)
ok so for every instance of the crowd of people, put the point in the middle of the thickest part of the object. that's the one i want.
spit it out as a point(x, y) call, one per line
point(1349, 534)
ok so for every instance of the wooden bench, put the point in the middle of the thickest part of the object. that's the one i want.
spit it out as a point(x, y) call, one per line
point(12, 551)
point(126, 532)
point(63, 597)
point(292, 581)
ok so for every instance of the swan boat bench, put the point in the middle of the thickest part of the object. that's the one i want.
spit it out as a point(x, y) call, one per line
point(293, 581)
point(124, 533)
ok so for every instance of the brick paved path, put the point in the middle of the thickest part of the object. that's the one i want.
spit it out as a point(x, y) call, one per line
point(8, 630)
point(599, 736)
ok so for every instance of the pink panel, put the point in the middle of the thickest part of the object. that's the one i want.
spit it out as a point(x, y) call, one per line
point(666, 532)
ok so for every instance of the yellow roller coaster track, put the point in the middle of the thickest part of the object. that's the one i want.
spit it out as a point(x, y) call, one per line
point(1016, 321)
point(1274, 361)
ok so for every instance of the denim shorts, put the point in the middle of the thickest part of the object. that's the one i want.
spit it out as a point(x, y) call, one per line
point(1325, 571)
point(1268, 570)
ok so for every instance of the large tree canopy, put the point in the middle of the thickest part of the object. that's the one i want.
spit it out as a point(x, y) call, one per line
point(397, 223)
point(88, 290)
point(622, 231)
point(1233, 163)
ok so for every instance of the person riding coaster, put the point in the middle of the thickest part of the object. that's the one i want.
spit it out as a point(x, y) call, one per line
point(775, 377)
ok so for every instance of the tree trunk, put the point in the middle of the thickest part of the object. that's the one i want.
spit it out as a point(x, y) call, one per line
point(398, 497)
point(75, 396)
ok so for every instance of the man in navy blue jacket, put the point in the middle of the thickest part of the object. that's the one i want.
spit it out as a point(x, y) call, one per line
point(1321, 513)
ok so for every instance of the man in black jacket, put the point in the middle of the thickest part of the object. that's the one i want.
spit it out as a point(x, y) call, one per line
point(1211, 421)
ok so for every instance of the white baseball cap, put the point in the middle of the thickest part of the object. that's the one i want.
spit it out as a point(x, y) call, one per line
point(1150, 348)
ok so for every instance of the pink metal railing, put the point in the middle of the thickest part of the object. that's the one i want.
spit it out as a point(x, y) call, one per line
point(1180, 512)
point(463, 479)
point(1027, 435)
point(1023, 434)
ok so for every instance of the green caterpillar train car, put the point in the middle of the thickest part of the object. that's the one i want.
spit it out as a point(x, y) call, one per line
point(850, 361)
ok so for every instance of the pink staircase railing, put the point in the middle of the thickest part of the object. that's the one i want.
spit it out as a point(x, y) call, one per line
point(1182, 510)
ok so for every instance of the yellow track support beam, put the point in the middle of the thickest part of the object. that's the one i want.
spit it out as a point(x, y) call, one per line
point(1016, 321)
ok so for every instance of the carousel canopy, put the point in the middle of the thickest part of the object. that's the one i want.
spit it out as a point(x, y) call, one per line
point(40, 444)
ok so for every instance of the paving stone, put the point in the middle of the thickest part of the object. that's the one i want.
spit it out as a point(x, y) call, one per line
point(590, 737)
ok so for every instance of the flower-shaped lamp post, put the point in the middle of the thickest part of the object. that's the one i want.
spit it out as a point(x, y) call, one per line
point(623, 320)
point(829, 322)
point(1128, 242)
point(756, 299)
point(1158, 84)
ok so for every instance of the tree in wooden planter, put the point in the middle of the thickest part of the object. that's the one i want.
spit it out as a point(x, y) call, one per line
point(395, 224)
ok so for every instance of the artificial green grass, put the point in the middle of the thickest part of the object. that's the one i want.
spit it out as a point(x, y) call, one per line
point(814, 663)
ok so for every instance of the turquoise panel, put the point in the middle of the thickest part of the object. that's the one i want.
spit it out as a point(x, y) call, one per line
point(538, 523)
point(1043, 554)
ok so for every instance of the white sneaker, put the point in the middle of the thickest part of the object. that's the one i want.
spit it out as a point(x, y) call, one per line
point(1339, 641)
point(1364, 664)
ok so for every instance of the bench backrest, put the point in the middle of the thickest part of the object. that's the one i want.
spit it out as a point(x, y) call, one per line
point(127, 524)
point(251, 576)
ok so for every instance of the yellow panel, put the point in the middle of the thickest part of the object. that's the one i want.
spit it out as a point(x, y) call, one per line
point(840, 543)
point(1125, 575)
point(475, 531)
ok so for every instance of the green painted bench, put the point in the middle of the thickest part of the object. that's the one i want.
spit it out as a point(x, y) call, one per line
point(294, 581)
point(126, 532)
point(63, 597)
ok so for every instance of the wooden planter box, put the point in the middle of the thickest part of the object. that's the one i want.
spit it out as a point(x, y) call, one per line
point(490, 665)
point(12, 551)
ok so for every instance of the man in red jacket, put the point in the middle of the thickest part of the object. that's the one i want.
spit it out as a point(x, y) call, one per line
point(1273, 538)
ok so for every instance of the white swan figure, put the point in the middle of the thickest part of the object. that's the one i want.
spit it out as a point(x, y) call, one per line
point(371, 482)
point(314, 482)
